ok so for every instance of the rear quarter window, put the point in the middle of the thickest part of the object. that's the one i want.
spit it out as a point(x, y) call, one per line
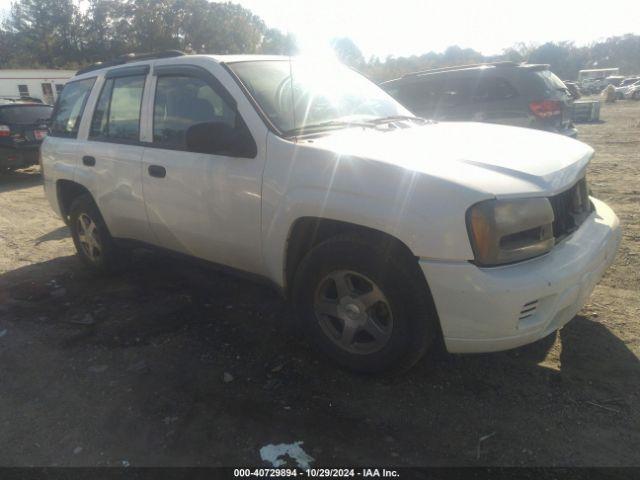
point(550, 82)
point(68, 110)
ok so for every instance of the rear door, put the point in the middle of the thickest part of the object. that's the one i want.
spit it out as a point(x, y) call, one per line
point(111, 161)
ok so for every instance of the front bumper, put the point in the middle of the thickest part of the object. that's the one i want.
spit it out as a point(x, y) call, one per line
point(492, 309)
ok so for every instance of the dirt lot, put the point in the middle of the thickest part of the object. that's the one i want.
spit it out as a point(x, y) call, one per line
point(131, 370)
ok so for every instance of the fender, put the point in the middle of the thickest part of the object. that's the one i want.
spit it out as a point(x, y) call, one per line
point(304, 181)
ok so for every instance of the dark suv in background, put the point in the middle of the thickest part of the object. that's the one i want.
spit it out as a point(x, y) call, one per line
point(523, 95)
point(23, 126)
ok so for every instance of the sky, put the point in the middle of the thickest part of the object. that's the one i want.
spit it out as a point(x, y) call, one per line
point(406, 27)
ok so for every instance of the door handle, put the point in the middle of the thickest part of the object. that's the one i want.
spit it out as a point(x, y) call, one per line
point(89, 161)
point(157, 171)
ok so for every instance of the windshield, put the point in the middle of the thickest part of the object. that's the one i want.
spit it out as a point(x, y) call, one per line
point(323, 93)
point(26, 114)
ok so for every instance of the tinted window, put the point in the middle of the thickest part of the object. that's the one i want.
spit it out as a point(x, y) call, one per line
point(68, 111)
point(425, 95)
point(184, 101)
point(117, 113)
point(26, 114)
point(418, 96)
point(456, 91)
point(492, 89)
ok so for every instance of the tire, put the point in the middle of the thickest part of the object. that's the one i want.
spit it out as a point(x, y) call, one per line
point(96, 249)
point(383, 322)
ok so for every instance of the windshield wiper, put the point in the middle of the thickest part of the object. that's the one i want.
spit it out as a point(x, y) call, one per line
point(331, 124)
point(395, 118)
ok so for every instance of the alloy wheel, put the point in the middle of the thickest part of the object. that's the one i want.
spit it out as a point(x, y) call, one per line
point(88, 238)
point(353, 312)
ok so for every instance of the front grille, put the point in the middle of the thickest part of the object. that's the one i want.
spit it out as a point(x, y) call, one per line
point(570, 209)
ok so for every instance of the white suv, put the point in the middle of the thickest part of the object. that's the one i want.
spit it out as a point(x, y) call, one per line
point(385, 230)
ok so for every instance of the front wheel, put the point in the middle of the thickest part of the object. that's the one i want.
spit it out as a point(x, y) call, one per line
point(365, 304)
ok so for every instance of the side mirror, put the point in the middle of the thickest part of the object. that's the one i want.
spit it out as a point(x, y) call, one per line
point(220, 139)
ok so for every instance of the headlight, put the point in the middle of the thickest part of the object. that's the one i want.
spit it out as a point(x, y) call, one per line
point(506, 231)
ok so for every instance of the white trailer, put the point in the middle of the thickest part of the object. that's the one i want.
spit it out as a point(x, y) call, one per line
point(42, 84)
point(597, 73)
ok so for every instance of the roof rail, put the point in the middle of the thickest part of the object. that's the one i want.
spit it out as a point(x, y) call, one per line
point(462, 67)
point(130, 57)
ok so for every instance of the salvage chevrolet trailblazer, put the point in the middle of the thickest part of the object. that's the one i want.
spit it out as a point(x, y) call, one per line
point(385, 230)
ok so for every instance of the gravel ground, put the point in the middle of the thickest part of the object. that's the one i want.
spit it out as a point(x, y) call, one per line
point(171, 363)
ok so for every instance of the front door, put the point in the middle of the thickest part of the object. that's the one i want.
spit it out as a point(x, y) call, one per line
point(201, 204)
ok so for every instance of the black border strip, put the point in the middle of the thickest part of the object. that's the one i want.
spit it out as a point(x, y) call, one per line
point(375, 472)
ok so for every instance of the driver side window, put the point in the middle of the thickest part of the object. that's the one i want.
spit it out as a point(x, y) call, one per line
point(183, 101)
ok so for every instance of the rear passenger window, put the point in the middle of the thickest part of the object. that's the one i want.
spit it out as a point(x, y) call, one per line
point(181, 102)
point(493, 89)
point(68, 111)
point(418, 96)
point(117, 113)
point(456, 92)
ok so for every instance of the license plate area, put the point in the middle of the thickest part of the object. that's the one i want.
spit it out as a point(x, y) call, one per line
point(39, 134)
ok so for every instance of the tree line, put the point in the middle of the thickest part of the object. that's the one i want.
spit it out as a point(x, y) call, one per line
point(565, 58)
point(58, 34)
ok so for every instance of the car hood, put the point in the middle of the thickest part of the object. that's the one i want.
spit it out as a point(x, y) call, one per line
point(499, 160)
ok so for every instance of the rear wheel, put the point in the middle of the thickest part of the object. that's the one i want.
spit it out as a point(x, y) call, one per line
point(364, 305)
point(91, 237)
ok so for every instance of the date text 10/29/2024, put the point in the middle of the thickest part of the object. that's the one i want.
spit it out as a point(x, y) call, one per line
point(316, 472)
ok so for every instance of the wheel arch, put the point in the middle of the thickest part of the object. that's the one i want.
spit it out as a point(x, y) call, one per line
point(307, 232)
point(67, 191)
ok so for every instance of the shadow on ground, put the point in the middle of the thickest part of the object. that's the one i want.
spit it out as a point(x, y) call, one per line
point(132, 369)
point(16, 180)
point(57, 234)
